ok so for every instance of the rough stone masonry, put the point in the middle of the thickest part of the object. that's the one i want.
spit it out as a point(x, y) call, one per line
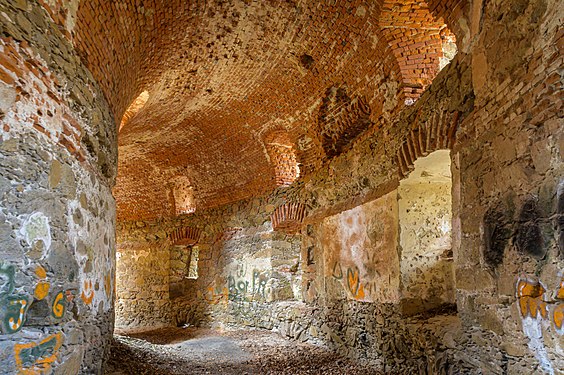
point(381, 177)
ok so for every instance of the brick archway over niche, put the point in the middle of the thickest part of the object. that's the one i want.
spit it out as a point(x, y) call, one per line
point(438, 132)
point(419, 40)
point(282, 154)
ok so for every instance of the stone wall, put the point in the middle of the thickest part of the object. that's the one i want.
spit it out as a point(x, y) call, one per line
point(57, 213)
point(240, 259)
point(142, 284)
point(425, 217)
point(497, 107)
point(509, 187)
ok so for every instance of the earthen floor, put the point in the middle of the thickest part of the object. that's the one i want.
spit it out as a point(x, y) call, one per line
point(206, 351)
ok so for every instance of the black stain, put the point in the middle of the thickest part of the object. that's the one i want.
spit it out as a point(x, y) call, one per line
point(497, 232)
point(310, 255)
point(560, 220)
point(529, 239)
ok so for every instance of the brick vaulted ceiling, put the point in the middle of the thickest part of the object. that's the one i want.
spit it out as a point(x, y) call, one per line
point(214, 80)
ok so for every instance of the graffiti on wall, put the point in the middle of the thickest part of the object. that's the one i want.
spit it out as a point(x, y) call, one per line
point(241, 287)
point(350, 279)
point(43, 286)
point(38, 357)
point(534, 302)
point(87, 293)
point(359, 246)
point(538, 310)
point(13, 307)
point(58, 308)
point(96, 265)
point(215, 295)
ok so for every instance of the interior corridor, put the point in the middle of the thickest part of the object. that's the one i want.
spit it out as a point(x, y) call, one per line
point(281, 187)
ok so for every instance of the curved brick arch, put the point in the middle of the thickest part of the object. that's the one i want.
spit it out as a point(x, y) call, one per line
point(450, 11)
point(437, 132)
point(415, 36)
point(185, 236)
point(281, 151)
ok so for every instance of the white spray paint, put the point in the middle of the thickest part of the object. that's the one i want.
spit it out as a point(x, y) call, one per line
point(533, 330)
point(36, 228)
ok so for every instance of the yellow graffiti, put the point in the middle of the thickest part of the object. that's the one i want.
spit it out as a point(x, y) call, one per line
point(41, 290)
point(353, 281)
point(558, 315)
point(16, 324)
point(87, 294)
point(40, 272)
point(108, 284)
point(42, 287)
point(530, 295)
point(35, 358)
point(560, 292)
point(214, 296)
point(58, 306)
point(530, 298)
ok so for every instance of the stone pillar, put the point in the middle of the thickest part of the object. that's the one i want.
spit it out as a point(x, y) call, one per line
point(58, 154)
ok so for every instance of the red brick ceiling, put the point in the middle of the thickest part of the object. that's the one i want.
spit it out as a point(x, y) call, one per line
point(222, 76)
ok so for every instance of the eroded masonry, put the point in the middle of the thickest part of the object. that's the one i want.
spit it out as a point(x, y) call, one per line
point(385, 178)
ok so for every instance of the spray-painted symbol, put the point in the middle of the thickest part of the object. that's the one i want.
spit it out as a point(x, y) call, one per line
point(59, 306)
point(87, 294)
point(353, 281)
point(37, 357)
point(337, 271)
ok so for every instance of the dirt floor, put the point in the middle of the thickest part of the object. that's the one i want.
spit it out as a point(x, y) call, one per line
point(205, 351)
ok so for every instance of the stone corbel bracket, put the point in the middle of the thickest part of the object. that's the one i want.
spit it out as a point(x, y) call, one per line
point(288, 217)
point(185, 236)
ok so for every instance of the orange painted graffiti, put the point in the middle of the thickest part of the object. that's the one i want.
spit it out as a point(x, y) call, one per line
point(530, 298)
point(558, 315)
point(16, 323)
point(58, 306)
point(353, 283)
point(41, 290)
point(531, 301)
point(108, 284)
point(37, 357)
point(42, 287)
point(87, 293)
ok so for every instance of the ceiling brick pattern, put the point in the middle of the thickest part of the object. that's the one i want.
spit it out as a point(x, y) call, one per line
point(219, 75)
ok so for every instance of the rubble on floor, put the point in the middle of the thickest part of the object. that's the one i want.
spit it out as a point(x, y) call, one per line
point(206, 351)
